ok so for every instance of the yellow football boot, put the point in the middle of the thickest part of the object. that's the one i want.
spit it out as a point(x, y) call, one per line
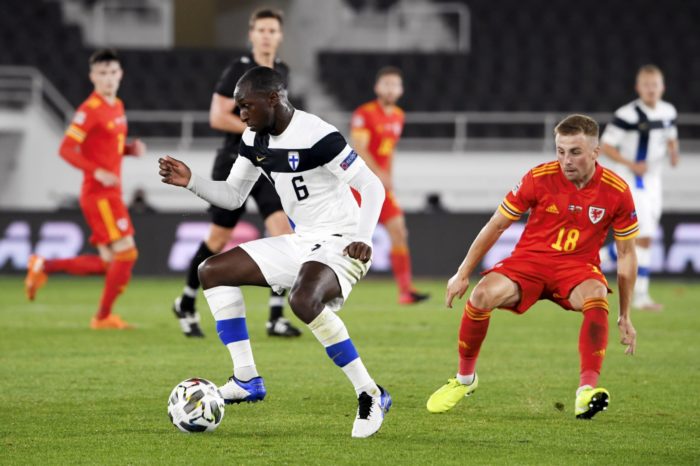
point(447, 396)
point(591, 401)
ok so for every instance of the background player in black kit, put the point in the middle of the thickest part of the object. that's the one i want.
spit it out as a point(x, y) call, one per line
point(265, 35)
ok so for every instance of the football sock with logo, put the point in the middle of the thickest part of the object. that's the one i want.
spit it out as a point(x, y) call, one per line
point(88, 264)
point(593, 339)
point(118, 276)
point(276, 305)
point(641, 286)
point(330, 331)
point(228, 308)
point(401, 266)
point(472, 331)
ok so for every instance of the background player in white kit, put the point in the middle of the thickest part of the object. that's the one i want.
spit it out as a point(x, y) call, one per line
point(642, 134)
point(312, 169)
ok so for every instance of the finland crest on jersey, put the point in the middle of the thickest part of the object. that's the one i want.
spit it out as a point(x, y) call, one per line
point(310, 165)
point(293, 159)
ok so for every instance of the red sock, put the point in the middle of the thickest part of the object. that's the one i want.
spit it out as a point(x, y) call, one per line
point(88, 264)
point(401, 266)
point(475, 324)
point(593, 339)
point(118, 275)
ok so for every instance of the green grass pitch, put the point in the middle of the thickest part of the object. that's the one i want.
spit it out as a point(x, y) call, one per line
point(75, 396)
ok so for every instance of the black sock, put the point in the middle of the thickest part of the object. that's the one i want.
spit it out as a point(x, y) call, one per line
point(192, 278)
point(187, 303)
point(276, 305)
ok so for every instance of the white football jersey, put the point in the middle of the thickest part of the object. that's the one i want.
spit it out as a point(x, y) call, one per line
point(641, 134)
point(309, 165)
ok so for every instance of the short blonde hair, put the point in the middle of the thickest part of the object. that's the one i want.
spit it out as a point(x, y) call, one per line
point(650, 69)
point(576, 124)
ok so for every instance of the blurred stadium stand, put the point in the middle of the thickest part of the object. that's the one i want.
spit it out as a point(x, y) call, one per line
point(550, 56)
point(506, 72)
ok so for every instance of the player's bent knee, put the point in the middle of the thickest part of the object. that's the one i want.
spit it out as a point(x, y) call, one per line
point(483, 296)
point(207, 273)
point(305, 305)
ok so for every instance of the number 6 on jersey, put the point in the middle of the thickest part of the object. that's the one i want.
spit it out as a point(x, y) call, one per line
point(301, 191)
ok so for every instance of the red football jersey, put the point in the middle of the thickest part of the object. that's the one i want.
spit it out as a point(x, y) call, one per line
point(568, 222)
point(100, 129)
point(384, 130)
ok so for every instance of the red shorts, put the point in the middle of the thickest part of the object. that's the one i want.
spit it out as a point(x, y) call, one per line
point(390, 208)
point(107, 217)
point(546, 279)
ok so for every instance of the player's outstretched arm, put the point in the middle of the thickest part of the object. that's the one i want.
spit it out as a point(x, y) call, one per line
point(174, 171)
point(372, 192)
point(458, 285)
point(229, 194)
point(626, 276)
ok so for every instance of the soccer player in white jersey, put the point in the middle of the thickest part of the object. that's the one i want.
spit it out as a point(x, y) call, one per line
point(642, 134)
point(312, 169)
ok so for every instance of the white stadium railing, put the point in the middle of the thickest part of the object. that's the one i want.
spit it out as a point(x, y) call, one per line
point(27, 85)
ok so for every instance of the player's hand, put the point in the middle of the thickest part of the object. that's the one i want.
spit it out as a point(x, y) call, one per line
point(628, 335)
point(106, 177)
point(639, 168)
point(174, 171)
point(138, 148)
point(675, 158)
point(456, 287)
point(358, 250)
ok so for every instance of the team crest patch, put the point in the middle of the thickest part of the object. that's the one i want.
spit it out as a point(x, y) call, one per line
point(293, 159)
point(345, 164)
point(595, 214)
point(79, 118)
point(123, 224)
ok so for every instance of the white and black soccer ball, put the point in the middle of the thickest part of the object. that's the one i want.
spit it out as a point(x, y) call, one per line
point(195, 405)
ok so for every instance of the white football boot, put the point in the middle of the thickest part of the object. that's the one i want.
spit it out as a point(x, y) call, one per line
point(370, 413)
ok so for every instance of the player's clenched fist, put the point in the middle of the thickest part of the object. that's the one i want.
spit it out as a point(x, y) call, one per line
point(174, 171)
point(359, 250)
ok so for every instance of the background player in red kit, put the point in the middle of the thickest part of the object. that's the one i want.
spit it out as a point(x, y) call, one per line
point(95, 143)
point(376, 128)
point(573, 202)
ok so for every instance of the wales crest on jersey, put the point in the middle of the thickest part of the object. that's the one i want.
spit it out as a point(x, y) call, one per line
point(293, 159)
point(595, 214)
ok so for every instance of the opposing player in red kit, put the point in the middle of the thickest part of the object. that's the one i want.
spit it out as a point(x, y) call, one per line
point(95, 142)
point(572, 202)
point(376, 128)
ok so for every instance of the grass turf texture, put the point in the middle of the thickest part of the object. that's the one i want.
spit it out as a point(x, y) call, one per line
point(72, 395)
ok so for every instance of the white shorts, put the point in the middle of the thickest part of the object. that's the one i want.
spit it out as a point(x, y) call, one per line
point(281, 257)
point(647, 202)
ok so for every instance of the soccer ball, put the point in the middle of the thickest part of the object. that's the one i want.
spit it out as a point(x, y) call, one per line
point(195, 405)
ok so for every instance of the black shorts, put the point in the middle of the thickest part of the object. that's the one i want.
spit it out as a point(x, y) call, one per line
point(263, 192)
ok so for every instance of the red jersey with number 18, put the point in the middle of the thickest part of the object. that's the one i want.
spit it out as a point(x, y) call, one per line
point(567, 222)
